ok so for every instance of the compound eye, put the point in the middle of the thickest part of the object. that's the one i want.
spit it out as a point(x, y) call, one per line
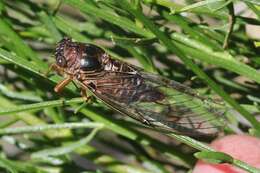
point(61, 61)
point(89, 63)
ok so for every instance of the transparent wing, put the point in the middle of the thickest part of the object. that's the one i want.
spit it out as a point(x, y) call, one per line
point(161, 103)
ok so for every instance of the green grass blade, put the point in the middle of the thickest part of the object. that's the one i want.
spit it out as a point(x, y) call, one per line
point(108, 16)
point(14, 43)
point(39, 128)
point(256, 2)
point(50, 26)
point(66, 149)
point(38, 106)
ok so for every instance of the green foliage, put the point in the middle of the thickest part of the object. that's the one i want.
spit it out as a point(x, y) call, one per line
point(203, 39)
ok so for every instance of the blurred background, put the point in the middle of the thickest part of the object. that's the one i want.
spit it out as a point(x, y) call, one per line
point(211, 46)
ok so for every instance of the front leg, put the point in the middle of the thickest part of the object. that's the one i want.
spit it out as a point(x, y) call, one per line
point(58, 88)
point(54, 67)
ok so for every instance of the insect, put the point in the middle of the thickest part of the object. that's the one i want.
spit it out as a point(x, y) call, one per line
point(149, 98)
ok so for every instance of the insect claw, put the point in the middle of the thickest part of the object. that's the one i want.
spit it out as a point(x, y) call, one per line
point(49, 70)
point(145, 121)
point(77, 109)
point(86, 97)
point(54, 67)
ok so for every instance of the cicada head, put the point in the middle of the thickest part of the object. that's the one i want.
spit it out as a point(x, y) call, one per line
point(60, 50)
point(73, 56)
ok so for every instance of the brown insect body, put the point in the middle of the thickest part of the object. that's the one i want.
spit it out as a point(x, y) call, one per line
point(110, 72)
point(131, 91)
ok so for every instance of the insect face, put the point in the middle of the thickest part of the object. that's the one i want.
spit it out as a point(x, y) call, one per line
point(59, 52)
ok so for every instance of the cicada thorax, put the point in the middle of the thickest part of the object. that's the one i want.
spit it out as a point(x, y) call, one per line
point(120, 81)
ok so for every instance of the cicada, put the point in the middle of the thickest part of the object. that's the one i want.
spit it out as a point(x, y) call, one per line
point(148, 98)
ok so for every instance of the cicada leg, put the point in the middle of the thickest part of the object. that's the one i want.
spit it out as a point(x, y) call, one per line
point(86, 99)
point(54, 67)
point(62, 84)
point(85, 96)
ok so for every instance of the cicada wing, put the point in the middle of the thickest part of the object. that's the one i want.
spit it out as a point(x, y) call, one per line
point(119, 107)
point(180, 110)
point(159, 80)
